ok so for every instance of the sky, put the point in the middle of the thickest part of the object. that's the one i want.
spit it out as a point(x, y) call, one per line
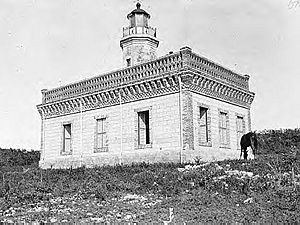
point(49, 43)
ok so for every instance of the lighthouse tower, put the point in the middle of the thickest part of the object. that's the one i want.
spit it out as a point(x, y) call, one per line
point(139, 42)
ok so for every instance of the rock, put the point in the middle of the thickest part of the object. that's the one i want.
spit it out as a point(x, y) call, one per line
point(97, 219)
point(248, 200)
point(133, 197)
point(218, 167)
point(53, 220)
point(180, 169)
point(127, 217)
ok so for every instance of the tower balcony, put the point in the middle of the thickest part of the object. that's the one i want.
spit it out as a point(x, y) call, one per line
point(139, 30)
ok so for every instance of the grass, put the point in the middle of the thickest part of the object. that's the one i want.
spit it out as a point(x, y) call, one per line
point(263, 190)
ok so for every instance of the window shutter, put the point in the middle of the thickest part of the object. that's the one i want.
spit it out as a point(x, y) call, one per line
point(203, 131)
point(220, 128)
point(224, 129)
point(240, 125)
point(101, 142)
point(67, 137)
point(105, 137)
point(142, 128)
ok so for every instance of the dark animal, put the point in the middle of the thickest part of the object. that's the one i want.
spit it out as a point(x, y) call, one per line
point(248, 140)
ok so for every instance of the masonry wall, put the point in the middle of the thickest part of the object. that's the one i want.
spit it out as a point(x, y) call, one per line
point(164, 126)
point(139, 51)
point(214, 151)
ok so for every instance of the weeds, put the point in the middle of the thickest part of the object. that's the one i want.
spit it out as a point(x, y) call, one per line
point(259, 187)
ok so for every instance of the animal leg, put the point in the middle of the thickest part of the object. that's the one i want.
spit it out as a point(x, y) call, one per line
point(245, 154)
point(253, 147)
point(241, 153)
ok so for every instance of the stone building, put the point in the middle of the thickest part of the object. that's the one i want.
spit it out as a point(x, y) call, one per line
point(174, 108)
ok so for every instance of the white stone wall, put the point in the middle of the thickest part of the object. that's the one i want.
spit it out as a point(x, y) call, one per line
point(139, 51)
point(165, 134)
point(215, 152)
point(164, 125)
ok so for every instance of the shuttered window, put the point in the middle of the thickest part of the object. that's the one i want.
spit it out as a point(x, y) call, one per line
point(224, 129)
point(143, 128)
point(240, 128)
point(203, 125)
point(67, 137)
point(101, 136)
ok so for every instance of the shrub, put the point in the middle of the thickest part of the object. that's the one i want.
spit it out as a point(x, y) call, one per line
point(279, 141)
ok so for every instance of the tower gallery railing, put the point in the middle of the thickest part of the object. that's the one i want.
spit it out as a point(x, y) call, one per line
point(139, 30)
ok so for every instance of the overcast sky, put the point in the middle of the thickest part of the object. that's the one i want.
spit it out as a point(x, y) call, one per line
point(47, 43)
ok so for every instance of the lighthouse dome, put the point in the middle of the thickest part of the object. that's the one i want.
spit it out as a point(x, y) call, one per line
point(138, 10)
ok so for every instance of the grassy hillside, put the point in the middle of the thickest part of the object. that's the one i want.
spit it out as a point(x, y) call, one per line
point(17, 159)
point(264, 190)
point(279, 141)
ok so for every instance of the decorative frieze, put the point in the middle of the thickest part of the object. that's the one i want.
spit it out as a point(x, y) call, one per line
point(151, 70)
point(213, 88)
point(107, 98)
point(212, 69)
point(172, 63)
point(146, 80)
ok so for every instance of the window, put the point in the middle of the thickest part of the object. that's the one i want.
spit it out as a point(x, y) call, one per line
point(240, 129)
point(128, 61)
point(203, 125)
point(101, 136)
point(67, 137)
point(139, 20)
point(143, 128)
point(224, 130)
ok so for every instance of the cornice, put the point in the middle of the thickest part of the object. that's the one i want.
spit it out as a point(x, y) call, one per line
point(129, 39)
point(198, 76)
point(158, 67)
point(201, 84)
point(148, 89)
point(150, 79)
point(101, 99)
point(210, 68)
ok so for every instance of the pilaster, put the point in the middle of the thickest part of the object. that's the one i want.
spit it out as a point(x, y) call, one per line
point(249, 119)
point(187, 120)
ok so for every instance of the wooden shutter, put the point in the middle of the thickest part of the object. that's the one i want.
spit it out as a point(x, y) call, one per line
point(67, 138)
point(223, 128)
point(240, 129)
point(142, 128)
point(101, 135)
point(203, 126)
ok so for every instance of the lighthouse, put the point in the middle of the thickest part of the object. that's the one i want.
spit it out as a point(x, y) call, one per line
point(139, 42)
